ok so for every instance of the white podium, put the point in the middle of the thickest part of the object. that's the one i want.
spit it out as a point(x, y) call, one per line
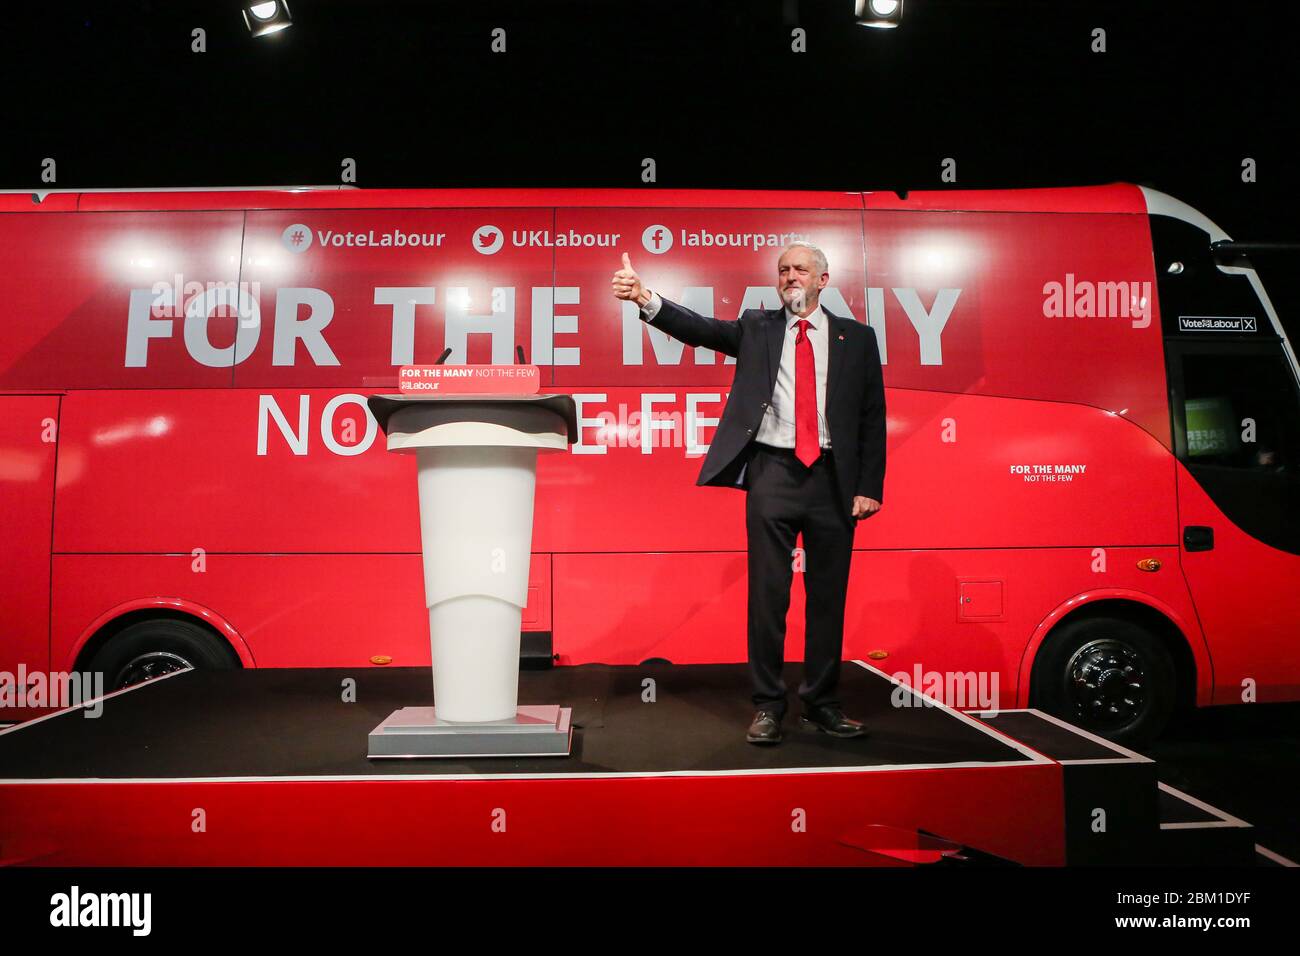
point(476, 461)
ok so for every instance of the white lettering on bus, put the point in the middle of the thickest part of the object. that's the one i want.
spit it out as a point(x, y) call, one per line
point(397, 238)
point(289, 329)
point(546, 324)
point(645, 424)
point(404, 299)
point(928, 324)
point(296, 438)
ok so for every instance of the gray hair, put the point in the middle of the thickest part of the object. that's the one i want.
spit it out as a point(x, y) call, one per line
point(819, 257)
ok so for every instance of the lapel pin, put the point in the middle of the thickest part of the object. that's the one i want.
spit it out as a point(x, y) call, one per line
point(841, 338)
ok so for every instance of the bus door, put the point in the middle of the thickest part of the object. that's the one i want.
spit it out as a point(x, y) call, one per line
point(1236, 418)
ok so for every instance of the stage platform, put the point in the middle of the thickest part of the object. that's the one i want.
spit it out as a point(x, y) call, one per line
point(257, 767)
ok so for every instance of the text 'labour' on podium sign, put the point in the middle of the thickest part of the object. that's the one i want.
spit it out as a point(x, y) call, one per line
point(469, 379)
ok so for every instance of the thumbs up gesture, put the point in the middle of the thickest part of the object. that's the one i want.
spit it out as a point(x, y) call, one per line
point(627, 284)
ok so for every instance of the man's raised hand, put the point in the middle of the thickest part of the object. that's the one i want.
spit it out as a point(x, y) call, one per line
point(627, 284)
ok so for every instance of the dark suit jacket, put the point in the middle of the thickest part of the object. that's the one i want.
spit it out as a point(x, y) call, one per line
point(855, 393)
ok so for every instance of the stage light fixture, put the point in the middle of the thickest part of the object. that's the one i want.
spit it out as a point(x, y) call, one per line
point(881, 14)
point(268, 16)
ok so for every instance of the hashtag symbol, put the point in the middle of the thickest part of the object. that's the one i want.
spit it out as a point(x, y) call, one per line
point(296, 237)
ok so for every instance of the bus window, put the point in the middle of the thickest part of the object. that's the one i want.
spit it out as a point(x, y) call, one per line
point(1240, 419)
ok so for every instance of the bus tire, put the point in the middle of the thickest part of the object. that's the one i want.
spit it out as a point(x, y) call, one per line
point(149, 649)
point(1108, 676)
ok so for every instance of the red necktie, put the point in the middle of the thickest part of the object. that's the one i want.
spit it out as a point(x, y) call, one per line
point(806, 446)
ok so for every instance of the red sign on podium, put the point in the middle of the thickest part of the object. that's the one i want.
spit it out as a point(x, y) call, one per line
point(469, 379)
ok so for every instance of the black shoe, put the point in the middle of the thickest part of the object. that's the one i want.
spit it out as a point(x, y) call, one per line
point(831, 720)
point(766, 728)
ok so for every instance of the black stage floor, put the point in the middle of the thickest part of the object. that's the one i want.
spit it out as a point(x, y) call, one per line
point(1056, 740)
point(285, 723)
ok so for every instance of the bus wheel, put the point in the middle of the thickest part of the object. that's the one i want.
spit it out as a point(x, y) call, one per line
point(150, 649)
point(1108, 676)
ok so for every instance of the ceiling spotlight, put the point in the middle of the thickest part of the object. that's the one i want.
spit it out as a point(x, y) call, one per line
point(882, 14)
point(268, 16)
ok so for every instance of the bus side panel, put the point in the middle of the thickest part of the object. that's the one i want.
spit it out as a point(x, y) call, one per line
point(306, 526)
point(977, 488)
point(690, 608)
point(476, 280)
point(291, 610)
point(28, 443)
point(964, 471)
point(231, 471)
point(168, 472)
point(97, 300)
point(1053, 307)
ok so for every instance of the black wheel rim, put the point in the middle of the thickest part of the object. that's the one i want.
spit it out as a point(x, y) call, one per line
point(148, 666)
point(1106, 683)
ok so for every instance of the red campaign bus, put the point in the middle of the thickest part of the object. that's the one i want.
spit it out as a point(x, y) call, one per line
point(1093, 432)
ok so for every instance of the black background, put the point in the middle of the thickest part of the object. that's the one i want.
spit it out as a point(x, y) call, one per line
point(711, 91)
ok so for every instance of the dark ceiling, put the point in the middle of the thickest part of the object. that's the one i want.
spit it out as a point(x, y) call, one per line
point(711, 91)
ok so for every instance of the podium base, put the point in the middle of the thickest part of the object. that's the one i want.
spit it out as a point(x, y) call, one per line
point(413, 732)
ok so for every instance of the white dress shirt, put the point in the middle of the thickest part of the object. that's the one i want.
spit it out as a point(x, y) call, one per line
point(777, 427)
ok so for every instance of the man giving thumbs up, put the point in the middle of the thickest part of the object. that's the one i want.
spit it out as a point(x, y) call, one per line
point(803, 434)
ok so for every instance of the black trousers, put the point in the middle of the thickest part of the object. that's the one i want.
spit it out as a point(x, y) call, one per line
point(786, 498)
